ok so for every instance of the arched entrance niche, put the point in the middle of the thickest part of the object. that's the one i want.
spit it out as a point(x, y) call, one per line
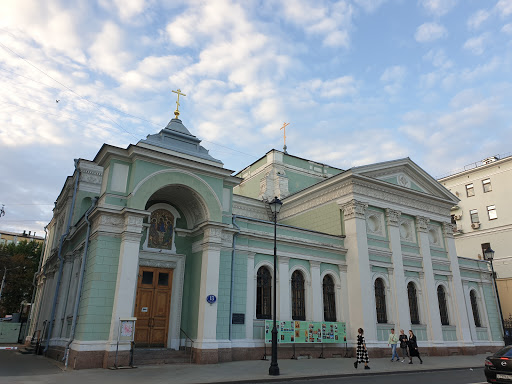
point(183, 188)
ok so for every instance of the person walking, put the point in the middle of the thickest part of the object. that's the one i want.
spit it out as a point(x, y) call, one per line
point(413, 347)
point(362, 352)
point(403, 344)
point(393, 340)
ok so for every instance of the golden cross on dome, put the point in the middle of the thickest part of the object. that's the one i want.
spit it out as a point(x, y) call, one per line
point(177, 111)
point(284, 128)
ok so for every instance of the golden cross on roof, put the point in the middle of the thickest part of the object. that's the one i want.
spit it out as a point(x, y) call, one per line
point(284, 128)
point(177, 111)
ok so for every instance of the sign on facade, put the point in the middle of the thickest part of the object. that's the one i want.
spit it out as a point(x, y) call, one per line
point(306, 332)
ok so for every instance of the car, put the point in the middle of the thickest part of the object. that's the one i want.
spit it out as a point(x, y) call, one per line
point(498, 367)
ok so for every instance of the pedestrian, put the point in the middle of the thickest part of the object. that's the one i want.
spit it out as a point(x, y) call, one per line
point(362, 352)
point(393, 340)
point(403, 344)
point(413, 347)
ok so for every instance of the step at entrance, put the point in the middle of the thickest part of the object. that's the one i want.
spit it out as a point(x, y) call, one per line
point(150, 356)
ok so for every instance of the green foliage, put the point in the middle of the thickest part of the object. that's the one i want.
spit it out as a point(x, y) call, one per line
point(21, 261)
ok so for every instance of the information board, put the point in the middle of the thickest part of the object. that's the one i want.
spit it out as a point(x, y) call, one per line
point(298, 332)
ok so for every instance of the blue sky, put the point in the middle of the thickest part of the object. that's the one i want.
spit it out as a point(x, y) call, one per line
point(359, 81)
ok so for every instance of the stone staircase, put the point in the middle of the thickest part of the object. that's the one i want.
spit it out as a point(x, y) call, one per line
point(29, 349)
point(151, 356)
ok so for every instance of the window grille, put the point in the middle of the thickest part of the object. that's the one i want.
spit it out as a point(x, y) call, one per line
point(380, 301)
point(413, 303)
point(329, 299)
point(263, 294)
point(443, 308)
point(298, 300)
point(474, 306)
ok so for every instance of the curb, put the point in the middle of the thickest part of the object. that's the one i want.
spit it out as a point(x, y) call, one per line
point(334, 376)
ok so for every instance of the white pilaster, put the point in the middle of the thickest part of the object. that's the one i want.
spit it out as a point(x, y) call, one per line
point(469, 311)
point(483, 311)
point(127, 272)
point(401, 300)
point(458, 294)
point(342, 305)
point(317, 294)
point(210, 266)
point(285, 313)
point(360, 287)
point(250, 312)
point(433, 316)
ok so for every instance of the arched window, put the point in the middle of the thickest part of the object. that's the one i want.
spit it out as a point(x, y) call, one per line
point(474, 306)
point(298, 300)
point(443, 308)
point(380, 301)
point(263, 294)
point(329, 299)
point(413, 303)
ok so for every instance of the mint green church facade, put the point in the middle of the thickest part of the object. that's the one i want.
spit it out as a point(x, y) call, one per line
point(151, 231)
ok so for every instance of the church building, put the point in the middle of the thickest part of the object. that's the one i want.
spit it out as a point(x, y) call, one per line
point(160, 231)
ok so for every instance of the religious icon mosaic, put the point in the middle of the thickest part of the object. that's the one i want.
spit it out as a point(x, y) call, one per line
point(161, 229)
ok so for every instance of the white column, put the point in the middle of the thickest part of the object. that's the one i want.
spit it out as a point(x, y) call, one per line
point(433, 316)
point(403, 316)
point(316, 301)
point(360, 287)
point(210, 267)
point(342, 305)
point(458, 293)
point(250, 312)
point(285, 313)
point(483, 311)
point(127, 271)
point(469, 311)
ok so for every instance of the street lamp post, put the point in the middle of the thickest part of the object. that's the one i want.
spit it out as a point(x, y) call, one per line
point(275, 206)
point(489, 256)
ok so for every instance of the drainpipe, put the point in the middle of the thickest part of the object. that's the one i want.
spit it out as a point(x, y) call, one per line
point(235, 235)
point(35, 285)
point(80, 282)
point(61, 259)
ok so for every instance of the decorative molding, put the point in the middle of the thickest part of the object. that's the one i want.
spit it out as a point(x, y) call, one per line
point(422, 223)
point(157, 263)
point(449, 229)
point(406, 229)
point(393, 217)
point(434, 235)
point(354, 209)
point(375, 224)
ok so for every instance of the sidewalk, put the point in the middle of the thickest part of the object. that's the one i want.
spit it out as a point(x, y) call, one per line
point(236, 372)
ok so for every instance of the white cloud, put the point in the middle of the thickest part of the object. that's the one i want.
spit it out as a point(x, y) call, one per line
point(429, 32)
point(438, 7)
point(504, 7)
point(393, 78)
point(370, 5)
point(476, 45)
point(507, 28)
point(334, 88)
point(477, 18)
point(127, 9)
point(438, 58)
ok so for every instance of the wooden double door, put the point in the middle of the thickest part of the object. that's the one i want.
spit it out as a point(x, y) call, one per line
point(152, 307)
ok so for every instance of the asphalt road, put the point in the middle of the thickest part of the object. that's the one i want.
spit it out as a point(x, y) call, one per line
point(457, 376)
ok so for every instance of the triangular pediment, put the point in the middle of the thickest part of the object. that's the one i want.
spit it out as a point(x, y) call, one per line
point(405, 173)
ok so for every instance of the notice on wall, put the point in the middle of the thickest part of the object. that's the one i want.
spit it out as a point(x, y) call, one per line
point(306, 332)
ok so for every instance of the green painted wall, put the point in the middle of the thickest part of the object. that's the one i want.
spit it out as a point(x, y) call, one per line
point(331, 267)
point(382, 270)
point(300, 263)
point(326, 219)
point(299, 181)
point(140, 170)
point(95, 311)
point(249, 187)
point(191, 286)
point(492, 312)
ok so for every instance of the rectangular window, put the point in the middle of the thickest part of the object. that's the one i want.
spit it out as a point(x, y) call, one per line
point(470, 191)
point(491, 210)
point(474, 216)
point(487, 185)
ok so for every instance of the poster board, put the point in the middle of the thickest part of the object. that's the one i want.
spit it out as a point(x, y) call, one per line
point(299, 332)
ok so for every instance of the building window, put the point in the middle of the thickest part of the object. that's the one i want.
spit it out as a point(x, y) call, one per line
point(474, 306)
point(487, 185)
point(443, 308)
point(380, 301)
point(491, 211)
point(329, 299)
point(470, 190)
point(298, 299)
point(263, 294)
point(474, 216)
point(413, 303)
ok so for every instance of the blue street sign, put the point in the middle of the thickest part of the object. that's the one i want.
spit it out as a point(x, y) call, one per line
point(211, 299)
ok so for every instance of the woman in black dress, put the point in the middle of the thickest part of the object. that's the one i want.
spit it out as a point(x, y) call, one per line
point(362, 352)
point(413, 347)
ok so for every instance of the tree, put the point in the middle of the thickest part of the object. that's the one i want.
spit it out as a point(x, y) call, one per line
point(21, 261)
